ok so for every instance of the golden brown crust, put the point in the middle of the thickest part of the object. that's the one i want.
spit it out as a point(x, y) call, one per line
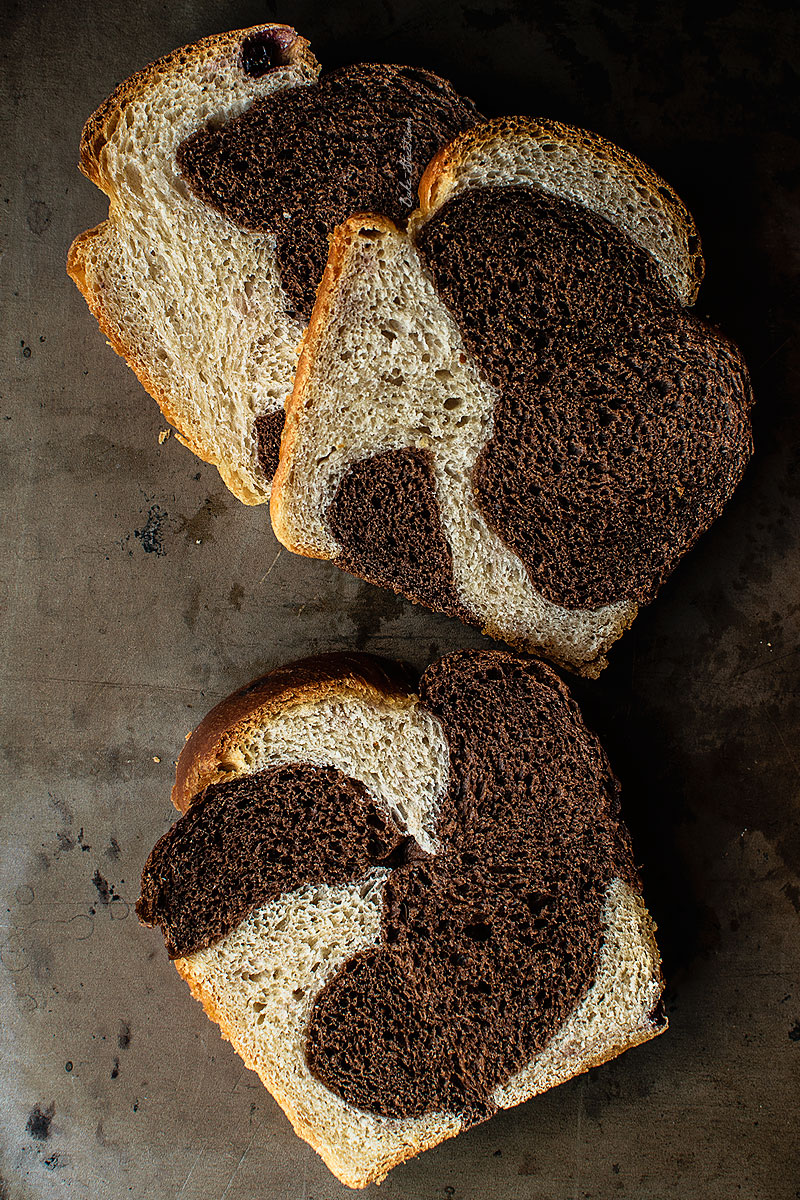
point(207, 756)
point(340, 240)
point(446, 166)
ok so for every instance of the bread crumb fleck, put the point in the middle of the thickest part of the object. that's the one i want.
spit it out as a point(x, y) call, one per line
point(163, 434)
point(156, 758)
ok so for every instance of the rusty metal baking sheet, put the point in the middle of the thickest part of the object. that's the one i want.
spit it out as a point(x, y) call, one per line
point(136, 592)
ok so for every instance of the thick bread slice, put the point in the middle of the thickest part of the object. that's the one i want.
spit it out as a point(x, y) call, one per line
point(261, 980)
point(390, 387)
point(193, 303)
point(223, 180)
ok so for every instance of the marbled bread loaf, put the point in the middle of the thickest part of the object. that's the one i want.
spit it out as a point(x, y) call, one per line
point(227, 164)
point(506, 412)
point(405, 907)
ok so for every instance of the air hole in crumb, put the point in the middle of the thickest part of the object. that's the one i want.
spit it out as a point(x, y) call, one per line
point(479, 932)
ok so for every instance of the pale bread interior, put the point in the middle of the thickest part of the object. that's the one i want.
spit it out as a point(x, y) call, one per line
point(390, 371)
point(259, 982)
point(615, 1013)
point(194, 303)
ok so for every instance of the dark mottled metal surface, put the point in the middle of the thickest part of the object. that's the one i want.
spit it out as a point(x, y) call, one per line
point(136, 591)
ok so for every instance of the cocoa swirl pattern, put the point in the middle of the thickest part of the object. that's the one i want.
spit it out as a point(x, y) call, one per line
point(486, 946)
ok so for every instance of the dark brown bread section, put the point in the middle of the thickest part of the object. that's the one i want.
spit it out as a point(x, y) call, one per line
point(299, 162)
point(622, 426)
point(268, 429)
point(490, 944)
point(386, 517)
point(248, 841)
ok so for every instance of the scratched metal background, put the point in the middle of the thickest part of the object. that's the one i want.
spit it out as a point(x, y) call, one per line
point(136, 592)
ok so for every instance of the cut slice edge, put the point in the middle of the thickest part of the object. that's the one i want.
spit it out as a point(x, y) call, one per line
point(259, 982)
point(128, 152)
point(282, 515)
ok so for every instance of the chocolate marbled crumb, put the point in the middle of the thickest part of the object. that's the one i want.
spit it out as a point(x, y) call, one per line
point(385, 515)
point(299, 162)
point(488, 946)
point(254, 838)
point(622, 424)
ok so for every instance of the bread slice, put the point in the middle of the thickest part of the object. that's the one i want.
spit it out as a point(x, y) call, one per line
point(506, 412)
point(226, 164)
point(406, 908)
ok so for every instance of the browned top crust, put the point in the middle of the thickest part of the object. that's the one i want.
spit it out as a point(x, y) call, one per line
point(203, 760)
